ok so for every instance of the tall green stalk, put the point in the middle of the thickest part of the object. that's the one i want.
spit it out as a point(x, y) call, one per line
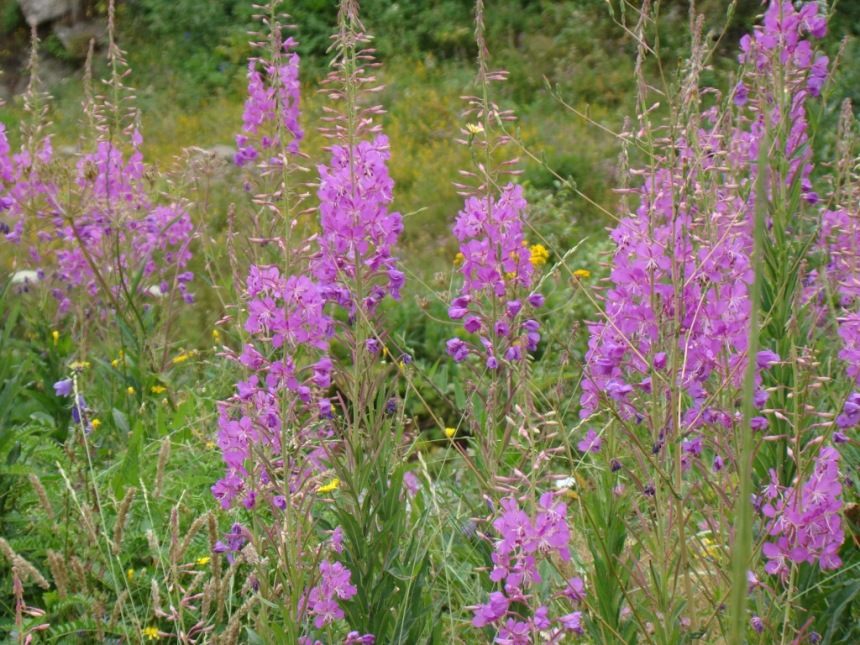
point(743, 544)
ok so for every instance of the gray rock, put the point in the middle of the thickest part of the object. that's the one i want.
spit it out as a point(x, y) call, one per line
point(76, 37)
point(38, 12)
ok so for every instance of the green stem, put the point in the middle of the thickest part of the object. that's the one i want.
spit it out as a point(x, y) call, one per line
point(743, 545)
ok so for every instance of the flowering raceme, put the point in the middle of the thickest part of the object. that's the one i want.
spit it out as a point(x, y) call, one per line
point(520, 545)
point(677, 261)
point(23, 192)
point(837, 287)
point(118, 215)
point(277, 433)
point(357, 229)
point(670, 354)
point(497, 267)
point(103, 234)
point(286, 314)
point(272, 107)
point(806, 520)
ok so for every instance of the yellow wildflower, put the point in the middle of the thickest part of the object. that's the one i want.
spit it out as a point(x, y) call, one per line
point(56, 335)
point(450, 432)
point(202, 562)
point(539, 255)
point(216, 335)
point(80, 366)
point(331, 486)
point(129, 574)
point(210, 444)
point(474, 128)
point(582, 273)
point(459, 259)
point(130, 390)
point(151, 633)
point(114, 363)
point(711, 548)
point(158, 389)
point(182, 357)
point(95, 424)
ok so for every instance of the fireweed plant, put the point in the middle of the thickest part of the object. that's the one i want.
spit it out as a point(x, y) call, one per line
point(532, 599)
point(703, 377)
point(701, 494)
point(313, 439)
point(101, 242)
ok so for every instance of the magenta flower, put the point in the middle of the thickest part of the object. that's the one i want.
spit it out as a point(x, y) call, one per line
point(591, 442)
point(333, 585)
point(572, 622)
point(494, 610)
point(575, 589)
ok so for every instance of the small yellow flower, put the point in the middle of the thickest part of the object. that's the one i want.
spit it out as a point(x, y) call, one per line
point(202, 562)
point(158, 389)
point(182, 357)
point(210, 444)
point(459, 259)
point(474, 128)
point(582, 273)
point(129, 574)
point(130, 390)
point(711, 548)
point(56, 335)
point(331, 486)
point(151, 633)
point(95, 424)
point(539, 255)
point(80, 366)
point(216, 335)
point(114, 363)
point(450, 432)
